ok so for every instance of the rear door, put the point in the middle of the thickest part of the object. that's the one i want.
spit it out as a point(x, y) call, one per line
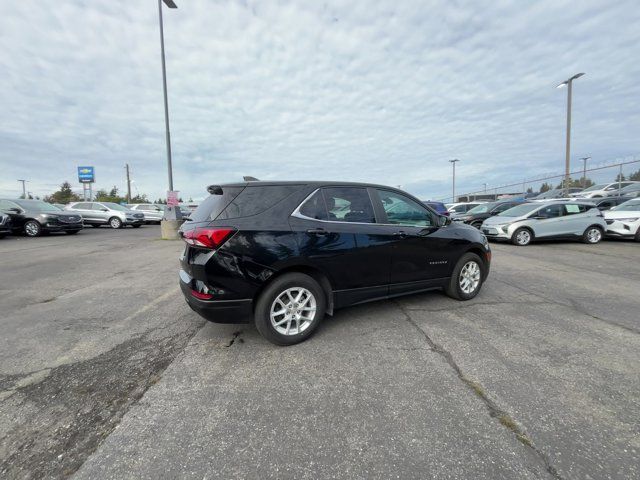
point(337, 232)
point(420, 254)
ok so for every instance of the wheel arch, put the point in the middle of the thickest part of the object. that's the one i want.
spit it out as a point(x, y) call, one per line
point(314, 273)
point(482, 253)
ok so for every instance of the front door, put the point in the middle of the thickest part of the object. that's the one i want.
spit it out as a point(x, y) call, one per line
point(549, 221)
point(420, 254)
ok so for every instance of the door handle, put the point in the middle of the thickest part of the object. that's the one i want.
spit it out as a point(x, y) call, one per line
point(401, 234)
point(317, 231)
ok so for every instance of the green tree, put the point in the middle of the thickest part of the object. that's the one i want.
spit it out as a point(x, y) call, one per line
point(635, 176)
point(140, 199)
point(111, 196)
point(577, 183)
point(545, 187)
point(620, 177)
point(530, 190)
point(64, 195)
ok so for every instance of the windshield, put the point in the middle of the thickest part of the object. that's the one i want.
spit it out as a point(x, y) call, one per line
point(595, 187)
point(114, 206)
point(630, 206)
point(631, 188)
point(483, 208)
point(519, 210)
point(38, 205)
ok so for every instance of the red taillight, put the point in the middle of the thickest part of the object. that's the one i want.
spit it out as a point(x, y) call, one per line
point(201, 296)
point(207, 237)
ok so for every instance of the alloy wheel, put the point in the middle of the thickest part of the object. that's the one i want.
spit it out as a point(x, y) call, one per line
point(523, 237)
point(594, 235)
point(293, 311)
point(31, 229)
point(469, 277)
point(115, 223)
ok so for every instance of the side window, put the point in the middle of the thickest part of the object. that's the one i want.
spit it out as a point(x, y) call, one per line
point(574, 209)
point(97, 206)
point(81, 206)
point(314, 207)
point(551, 211)
point(459, 209)
point(606, 205)
point(6, 205)
point(502, 207)
point(349, 204)
point(402, 210)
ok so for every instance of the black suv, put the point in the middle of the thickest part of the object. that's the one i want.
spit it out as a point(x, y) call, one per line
point(35, 217)
point(286, 253)
point(480, 213)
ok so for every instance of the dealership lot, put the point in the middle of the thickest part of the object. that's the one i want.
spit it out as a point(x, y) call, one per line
point(105, 372)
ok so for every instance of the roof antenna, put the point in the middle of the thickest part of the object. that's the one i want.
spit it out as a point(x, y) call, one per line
point(246, 178)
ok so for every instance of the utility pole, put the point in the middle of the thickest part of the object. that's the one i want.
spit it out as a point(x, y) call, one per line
point(567, 166)
point(584, 171)
point(453, 163)
point(24, 189)
point(126, 166)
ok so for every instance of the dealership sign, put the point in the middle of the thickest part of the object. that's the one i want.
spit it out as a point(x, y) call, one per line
point(86, 175)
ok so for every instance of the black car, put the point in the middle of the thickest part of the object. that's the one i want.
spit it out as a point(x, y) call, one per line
point(35, 217)
point(5, 225)
point(607, 203)
point(479, 214)
point(286, 253)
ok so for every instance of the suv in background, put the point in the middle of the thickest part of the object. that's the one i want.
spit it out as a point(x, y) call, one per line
point(632, 190)
point(531, 221)
point(555, 193)
point(607, 203)
point(286, 253)
point(624, 220)
point(602, 190)
point(35, 217)
point(461, 208)
point(97, 214)
point(152, 213)
point(480, 213)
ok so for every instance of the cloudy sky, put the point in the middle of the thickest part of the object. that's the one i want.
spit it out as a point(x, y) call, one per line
point(362, 90)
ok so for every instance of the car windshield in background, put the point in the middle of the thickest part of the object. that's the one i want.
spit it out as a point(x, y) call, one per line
point(484, 208)
point(115, 206)
point(630, 206)
point(595, 187)
point(519, 210)
point(38, 205)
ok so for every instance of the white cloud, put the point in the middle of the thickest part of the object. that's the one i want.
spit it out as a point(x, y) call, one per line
point(379, 91)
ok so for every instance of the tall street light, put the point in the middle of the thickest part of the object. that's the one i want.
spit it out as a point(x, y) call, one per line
point(453, 164)
point(584, 171)
point(171, 213)
point(568, 83)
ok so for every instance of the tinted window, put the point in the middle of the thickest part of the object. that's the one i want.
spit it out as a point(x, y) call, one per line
point(82, 206)
point(211, 207)
point(502, 207)
point(349, 204)
point(254, 200)
point(97, 206)
point(571, 209)
point(402, 210)
point(551, 211)
point(6, 204)
point(314, 207)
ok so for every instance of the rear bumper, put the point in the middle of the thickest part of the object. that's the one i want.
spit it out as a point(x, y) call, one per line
point(217, 311)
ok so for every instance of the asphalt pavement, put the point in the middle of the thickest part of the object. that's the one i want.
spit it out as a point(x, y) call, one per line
point(106, 373)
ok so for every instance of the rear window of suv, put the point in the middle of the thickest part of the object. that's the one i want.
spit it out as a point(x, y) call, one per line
point(237, 202)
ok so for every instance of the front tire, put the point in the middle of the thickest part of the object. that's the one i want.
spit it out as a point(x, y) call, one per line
point(592, 235)
point(290, 309)
point(466, 280)
point(115, 222)
point(522, 237)
point(32, 228)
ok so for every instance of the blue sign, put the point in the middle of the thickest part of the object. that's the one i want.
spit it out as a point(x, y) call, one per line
point(86, 175)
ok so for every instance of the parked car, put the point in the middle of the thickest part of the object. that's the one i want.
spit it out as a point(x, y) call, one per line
point(461, 208)
point(624, 220)
point(525, 223)
point(606, 203)
point(97, 214)
point(479, 214)
point(5, 225)
point(555, 193)
point(35, 217)
point(602, 190)
point(439, 207)
point(632, 190)
point(286, 253)
point(152, 213)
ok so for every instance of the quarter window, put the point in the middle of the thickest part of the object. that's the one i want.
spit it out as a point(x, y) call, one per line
point(315, 207)
point(348, 204)
point(402, 210)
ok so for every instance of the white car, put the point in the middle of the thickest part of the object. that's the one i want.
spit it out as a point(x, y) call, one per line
point(601, 190)
point(624, 220)
point(462, 207)
point(152, 213)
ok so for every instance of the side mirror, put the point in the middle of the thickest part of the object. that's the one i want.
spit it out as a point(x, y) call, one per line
point(104, 209)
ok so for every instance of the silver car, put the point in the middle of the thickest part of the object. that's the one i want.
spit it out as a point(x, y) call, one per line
point(152, 213)
point(106, 213)
point(531, 221)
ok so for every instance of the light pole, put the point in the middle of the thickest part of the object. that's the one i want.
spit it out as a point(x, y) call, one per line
point(567, 166)
point(584, 171)
point(24, 189)
point(453, 163)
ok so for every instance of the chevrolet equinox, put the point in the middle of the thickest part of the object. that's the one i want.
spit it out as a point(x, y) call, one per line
point(286, 253)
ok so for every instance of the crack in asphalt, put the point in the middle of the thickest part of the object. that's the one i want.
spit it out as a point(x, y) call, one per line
point(495, 411)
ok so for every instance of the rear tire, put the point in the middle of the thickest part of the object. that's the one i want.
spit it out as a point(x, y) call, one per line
point(32, 228)
point(466, 280)
point(115, 222)
point(592, 235)
point(290, 309)
point(522, 237)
